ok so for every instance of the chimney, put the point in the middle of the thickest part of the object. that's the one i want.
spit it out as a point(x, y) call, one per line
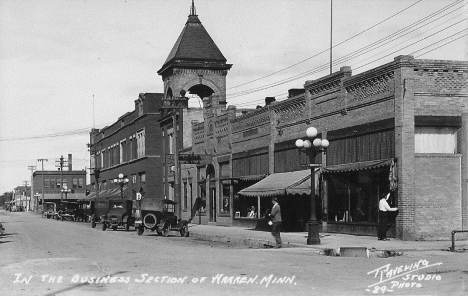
point(269, 100)
point(295, 92)
point(69, 162)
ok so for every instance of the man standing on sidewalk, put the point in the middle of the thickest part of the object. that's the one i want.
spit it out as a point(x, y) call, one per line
point(275, 216)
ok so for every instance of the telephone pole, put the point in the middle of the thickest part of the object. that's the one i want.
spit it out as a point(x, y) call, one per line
point(32, 168)
point(42, 160)
point(25, 196)
point(61, 165)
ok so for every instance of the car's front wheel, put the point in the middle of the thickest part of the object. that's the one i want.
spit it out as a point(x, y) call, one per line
point(93, 224)
point(104, 226)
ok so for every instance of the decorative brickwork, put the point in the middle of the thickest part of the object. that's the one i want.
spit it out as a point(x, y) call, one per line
point(370, 87)
point(290, 113)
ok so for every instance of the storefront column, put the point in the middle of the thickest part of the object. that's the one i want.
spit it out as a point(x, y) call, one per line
point(464, 169)
point(404, 150)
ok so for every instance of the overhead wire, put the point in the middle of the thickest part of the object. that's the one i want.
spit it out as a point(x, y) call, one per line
point(347, 57)
point(350, 38)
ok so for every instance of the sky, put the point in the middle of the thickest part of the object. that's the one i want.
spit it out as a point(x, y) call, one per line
point(68, 66)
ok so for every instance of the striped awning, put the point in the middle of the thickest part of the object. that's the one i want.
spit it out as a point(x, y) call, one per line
point(280, 184)
point(357, 166)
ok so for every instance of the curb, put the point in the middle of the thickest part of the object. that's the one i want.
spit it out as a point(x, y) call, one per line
point(249, 242)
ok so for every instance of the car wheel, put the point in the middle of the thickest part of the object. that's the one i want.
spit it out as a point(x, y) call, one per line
point(140, 230)
point(104, 226)
point(48, 216)
point(93, 224)
point(165, 232)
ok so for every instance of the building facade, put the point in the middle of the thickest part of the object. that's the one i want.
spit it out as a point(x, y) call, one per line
point(132, 146)
point(399, 128)
point(53, 186)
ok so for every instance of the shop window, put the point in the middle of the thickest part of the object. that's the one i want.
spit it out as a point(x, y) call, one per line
point(252, 207)
point(430, 139)
point(225, 204)
point(353, 197)
point(74, 183)
point(134, 179)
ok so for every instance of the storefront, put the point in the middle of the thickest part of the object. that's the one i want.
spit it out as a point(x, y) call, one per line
point(353, 192)
point(293, 192)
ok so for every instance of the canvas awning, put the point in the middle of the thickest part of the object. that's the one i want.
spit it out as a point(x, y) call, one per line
point(357, 166)
point(279, 184)
point(250, 177)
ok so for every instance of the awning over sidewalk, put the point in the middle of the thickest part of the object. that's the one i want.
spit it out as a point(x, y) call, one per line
point(357, 166)
point(250, 177)
point(279, 184)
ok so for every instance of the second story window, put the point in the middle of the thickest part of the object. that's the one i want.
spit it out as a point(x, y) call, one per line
point(140, 143)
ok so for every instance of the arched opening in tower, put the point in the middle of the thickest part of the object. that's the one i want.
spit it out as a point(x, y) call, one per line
point(201, 90)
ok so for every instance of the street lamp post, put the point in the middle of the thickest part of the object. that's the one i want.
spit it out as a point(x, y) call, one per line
point(65, 190)
point(121, 181)
point(312, 149)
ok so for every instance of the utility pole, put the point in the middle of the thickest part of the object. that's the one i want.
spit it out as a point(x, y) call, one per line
point(25, 195)
point(32, 168)
point(42, 160)
point(61, 165)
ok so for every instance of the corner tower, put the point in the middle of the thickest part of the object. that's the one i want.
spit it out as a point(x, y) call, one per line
point(196, 65)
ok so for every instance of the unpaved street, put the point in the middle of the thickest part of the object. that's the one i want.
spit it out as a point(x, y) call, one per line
point(48, 257)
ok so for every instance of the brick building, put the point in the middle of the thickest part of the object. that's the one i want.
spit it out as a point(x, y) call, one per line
point(407, 119)
point(400, 128)
point(131, 146)
point(195, 65)
point(49, 185)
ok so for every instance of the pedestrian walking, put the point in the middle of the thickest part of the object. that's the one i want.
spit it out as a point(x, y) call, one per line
point(275, 218)
point(384, 208)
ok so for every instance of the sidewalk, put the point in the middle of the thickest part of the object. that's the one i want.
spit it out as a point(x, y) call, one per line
point(261, 239)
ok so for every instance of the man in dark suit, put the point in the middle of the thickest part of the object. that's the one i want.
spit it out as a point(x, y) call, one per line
point(275, 217)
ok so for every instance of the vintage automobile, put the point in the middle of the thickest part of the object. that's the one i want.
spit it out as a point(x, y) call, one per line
point(84, 212)
point(68, 211)
point(99, 209)
point(49, 210)
point(158, 215)
point(120, 215)
point(2, 229)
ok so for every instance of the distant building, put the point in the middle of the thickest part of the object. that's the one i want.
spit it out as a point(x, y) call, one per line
point(66, 185)
point(22, 198)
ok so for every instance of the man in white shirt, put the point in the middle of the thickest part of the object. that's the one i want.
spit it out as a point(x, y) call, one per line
point(384, 208)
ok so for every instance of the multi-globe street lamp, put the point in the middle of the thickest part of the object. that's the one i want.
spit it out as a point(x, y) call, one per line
point(121, 181)
point(312, 147)
point(65, 190)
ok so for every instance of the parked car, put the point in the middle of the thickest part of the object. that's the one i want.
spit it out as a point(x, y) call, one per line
point(2, 229)
point(67, 211)
point(120, 215)
point(99, 210)
point(159, 216)
point(49, 210)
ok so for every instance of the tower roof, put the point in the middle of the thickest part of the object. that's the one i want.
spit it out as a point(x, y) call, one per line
point(194, 45)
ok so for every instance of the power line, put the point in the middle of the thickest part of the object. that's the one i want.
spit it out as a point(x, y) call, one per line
point(321, 68)
point(358, 34)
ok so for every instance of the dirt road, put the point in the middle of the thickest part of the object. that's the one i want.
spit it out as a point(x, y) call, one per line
point(47, 257)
